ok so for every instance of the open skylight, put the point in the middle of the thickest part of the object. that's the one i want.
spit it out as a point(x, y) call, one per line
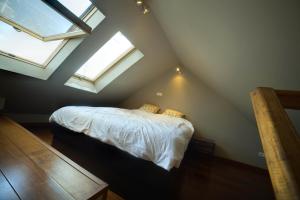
point(107, 56)
point(46, 20)
point(20, 45)
point(24, 53)
point(77, 10)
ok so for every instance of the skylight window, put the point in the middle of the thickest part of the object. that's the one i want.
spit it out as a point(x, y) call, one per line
point(106, 57)
point(115, 57)
point(46, 20)
point(20, 45)
point(77, 10)
point(24, 53)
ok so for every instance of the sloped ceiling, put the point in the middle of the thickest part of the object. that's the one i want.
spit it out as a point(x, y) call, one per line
point(28, 95)
point(235, 45)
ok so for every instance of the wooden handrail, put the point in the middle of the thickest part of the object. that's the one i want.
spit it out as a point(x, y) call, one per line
point(279, 138)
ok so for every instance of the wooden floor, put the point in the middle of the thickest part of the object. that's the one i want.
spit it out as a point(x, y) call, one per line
point(31, 169)
point(200, 177)
point(46, 135)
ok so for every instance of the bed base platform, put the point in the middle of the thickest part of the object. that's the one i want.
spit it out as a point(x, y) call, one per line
point(130, 177)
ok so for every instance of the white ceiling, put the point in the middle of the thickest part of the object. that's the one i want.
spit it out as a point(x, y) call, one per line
point(235, 45)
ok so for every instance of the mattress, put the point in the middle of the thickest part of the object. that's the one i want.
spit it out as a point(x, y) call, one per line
point(158, 138)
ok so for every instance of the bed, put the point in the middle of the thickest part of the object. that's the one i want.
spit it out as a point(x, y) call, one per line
point(158, 138)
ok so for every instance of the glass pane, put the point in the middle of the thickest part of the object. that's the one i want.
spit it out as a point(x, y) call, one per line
point(40, 18)
point(24, 46)
point(78, 8)
point(110, 53)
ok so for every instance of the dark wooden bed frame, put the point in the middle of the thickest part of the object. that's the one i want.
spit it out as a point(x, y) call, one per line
point(130, 177)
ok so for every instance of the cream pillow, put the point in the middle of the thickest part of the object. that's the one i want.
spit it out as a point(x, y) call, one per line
point(150, 108)
point(173, 113)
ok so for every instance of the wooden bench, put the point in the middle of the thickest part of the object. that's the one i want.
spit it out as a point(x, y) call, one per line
point(31, 169)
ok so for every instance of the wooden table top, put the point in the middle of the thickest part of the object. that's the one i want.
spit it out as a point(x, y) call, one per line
point(31, 169)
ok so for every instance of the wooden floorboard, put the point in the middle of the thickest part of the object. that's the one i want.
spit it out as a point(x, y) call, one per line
point(200, 177)
point(27, 179)
point(43, 132)
point(35, 170)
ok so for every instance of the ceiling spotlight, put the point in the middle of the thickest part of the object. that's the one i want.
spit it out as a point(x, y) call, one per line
point(139, 2)
point(145, 10)
point(142, 6)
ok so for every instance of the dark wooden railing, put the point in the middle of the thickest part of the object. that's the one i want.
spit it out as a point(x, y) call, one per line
point(279, 138)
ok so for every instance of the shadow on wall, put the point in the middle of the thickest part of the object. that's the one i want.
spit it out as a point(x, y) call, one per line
point(212, 116)
point(2, 103)
point(294, 115)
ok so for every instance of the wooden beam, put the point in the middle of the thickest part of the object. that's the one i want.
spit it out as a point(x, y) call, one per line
point(280, 142)
point(289, 99)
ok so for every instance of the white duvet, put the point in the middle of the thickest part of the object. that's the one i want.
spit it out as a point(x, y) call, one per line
point(158, 138)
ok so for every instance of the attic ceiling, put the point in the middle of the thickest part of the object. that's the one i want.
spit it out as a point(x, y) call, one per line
point(29, 95)
point(235, 46)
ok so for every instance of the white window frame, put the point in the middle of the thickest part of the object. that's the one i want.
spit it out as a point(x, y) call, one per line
point(111, 64)
point(28, 68)
point(107, 68)
point(108, 76)
point(56, 6)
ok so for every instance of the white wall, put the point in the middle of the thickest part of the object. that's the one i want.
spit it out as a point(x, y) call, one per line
point(213, 117)
point(235, 46)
